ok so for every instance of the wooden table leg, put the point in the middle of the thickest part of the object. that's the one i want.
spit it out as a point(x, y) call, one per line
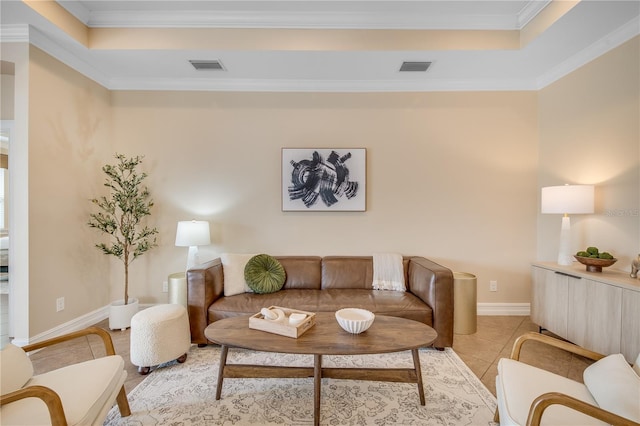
point(317, 380)
point(416, 366)
point(223, 362)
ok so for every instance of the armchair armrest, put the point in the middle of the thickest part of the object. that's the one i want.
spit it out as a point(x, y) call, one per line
point(50, 398)
point(542, 402)
point(102, 333)
point(551, 341)
point(433, 284)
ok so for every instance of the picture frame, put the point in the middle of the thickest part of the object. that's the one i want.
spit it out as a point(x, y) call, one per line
point(324, 179)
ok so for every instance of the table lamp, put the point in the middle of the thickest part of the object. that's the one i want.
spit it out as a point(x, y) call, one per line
point(567, 199)
point(193, 233)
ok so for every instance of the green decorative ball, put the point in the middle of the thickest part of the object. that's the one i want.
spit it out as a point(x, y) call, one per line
point(264, 274)
point(592, 250)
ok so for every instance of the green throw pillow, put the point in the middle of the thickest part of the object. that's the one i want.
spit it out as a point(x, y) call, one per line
point(264, 274)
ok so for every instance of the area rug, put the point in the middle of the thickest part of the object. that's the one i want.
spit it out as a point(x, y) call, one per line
point(184, 394)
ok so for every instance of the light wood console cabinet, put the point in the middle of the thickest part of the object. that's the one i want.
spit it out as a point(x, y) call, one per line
point(599, 311)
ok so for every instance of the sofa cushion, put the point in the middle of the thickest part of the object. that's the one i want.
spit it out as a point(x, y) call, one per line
point(233, 270)
point(380, 302)
point(15, 368)
point(518, 384)
point(302, 271)
point(264, 274)
point(352, 272)
point(615, 386)
point(82, 399)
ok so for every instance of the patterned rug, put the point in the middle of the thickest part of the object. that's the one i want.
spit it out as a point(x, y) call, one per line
point(184, 394)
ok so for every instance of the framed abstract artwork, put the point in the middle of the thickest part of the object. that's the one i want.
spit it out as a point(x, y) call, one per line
point(324, 179)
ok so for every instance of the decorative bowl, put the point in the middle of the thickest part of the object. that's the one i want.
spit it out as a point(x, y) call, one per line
point(594, 264)
point(355, 320)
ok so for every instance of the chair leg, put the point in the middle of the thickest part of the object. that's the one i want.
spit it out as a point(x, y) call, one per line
point(123, 403)
point(182, 358)
point(144, 370)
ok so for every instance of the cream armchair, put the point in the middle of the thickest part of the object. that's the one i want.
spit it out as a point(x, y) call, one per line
point(531, 396)
point(78, 394)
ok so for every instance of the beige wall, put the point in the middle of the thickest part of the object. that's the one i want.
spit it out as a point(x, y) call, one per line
point(69, 140)
point(451, 176)
point(590, 134)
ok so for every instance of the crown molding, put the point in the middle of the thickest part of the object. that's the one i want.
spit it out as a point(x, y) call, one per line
point(77, 9)
point(68, 55)
point(295, 19)
point(319, 19)
point(14, 33)
point(336, 19)
point(530, 11)
point(343, 86)
point(599, 48)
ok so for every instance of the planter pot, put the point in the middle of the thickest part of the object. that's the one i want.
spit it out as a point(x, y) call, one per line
point(120, 314)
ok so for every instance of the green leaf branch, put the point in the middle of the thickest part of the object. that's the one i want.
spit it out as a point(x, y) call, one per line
point(121, 214)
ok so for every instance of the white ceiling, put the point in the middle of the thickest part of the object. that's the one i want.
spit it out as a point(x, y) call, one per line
point(587, 31)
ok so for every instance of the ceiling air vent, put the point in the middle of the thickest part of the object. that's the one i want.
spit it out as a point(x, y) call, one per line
point(214, 65)
point(415, 66)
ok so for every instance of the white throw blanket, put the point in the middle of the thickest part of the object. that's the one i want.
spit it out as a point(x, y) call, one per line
point(388, 273)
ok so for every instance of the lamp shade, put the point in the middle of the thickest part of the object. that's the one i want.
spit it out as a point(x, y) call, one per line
point(567, 199)
point(193, 233)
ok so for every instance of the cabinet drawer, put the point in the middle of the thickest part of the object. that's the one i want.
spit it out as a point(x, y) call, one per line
point(630, 341)
point(595, 316)
point(550, 293)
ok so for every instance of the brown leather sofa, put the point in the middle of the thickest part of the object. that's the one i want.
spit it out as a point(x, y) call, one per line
point(326, 284)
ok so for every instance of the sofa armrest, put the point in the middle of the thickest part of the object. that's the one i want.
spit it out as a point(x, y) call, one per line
point(433, 284)
point(205, 284)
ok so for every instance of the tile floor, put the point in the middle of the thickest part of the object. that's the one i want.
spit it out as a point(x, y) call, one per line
point(480, 351)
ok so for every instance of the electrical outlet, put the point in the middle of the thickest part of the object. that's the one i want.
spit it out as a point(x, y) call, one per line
point(493, 285)
point(165, 286)
point(60, 304)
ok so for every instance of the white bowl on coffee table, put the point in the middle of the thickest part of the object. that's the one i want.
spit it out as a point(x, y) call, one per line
point(355, 320)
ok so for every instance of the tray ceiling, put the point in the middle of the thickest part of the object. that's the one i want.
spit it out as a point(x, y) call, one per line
point(322, 45)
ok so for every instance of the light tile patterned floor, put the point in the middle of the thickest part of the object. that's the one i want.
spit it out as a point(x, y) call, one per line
point(494, 339)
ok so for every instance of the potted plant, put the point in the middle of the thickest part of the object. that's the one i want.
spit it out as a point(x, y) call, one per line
point(120, 215)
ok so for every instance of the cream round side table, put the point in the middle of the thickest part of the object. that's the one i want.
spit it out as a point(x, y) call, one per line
point(178, 288)
point(464, 303)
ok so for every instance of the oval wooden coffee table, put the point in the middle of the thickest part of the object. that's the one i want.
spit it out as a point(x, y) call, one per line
point(387, 334)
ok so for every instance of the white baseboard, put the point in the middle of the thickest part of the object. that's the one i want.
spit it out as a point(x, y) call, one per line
point(76, 324)
point(504, 309)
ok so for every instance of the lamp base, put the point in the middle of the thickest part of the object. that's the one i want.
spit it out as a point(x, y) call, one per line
point(564, 253)
point(193, 258)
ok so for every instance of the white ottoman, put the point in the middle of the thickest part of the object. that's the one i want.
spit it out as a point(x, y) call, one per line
point(159, 334)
